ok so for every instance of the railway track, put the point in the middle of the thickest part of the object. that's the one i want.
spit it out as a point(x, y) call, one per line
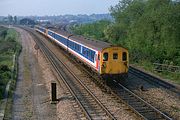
point(135, 103)
point(91, 107)
point(154, 80)
point(141, 107)
point(147, 77)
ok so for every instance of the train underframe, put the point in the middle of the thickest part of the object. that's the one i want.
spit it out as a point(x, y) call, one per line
point(118, 77)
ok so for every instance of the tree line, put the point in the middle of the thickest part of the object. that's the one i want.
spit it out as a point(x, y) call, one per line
point(150, 29)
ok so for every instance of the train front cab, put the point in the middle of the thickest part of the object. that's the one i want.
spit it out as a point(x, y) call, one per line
point(114, 63)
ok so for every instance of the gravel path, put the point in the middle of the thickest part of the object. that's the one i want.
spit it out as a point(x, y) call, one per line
point(31, 98)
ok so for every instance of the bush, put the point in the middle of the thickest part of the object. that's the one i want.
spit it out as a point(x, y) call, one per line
point(2, 89)
point(4, 68)
point(3, 33)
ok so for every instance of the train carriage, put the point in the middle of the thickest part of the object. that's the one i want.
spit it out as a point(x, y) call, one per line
point(104, 58)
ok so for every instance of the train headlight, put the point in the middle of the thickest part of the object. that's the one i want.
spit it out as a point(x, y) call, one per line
point(104, 65)
point(125, 63)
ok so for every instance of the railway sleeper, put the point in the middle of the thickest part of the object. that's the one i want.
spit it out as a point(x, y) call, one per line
point(100, 117)
point(123, 92)
point(136, 102)
point(140, 108)
point(99, 111)
point(129, 99)
point(127, 95)
point(94, 115)
point(136, 106)
point(90, 111)
point(146, 111)
point(102, 113)
point(86, 106)
point(152, 116)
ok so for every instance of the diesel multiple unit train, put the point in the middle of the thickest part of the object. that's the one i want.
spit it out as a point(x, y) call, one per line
point(104, 58)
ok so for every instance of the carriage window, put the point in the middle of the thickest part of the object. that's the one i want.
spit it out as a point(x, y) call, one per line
point(124, 56)
point(115, 56)
point(92, 55)
point(105, 57)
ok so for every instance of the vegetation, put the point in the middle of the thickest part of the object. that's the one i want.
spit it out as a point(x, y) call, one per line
point(92, 30)
point(150, 29)
point(9, 46)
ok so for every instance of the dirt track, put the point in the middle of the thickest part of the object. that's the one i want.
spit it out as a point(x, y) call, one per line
point(31, 98)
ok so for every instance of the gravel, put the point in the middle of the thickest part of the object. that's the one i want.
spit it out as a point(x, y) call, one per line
point(160, 98)
point(164, 100)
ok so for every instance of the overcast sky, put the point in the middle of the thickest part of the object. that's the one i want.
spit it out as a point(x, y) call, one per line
point(54, 7)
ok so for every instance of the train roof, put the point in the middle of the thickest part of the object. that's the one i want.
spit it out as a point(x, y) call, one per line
point(94, 44)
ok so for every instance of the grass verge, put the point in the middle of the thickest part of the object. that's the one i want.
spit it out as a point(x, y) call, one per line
point(9, 47)
point(170, 76)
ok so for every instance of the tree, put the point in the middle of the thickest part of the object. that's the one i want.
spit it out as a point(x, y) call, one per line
point(126, 13)
point(10, 19)
point(94, 30)
point(15, 19)
point(3, 33)
point(149, 28)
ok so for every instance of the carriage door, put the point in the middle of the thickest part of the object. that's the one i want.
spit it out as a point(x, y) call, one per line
point(98, 62)
point(124, 62)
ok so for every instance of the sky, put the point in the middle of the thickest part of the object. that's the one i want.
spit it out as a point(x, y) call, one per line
point(54, 7)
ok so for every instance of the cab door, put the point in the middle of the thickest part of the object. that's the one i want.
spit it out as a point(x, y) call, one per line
point(115, 62)
point(124, 62)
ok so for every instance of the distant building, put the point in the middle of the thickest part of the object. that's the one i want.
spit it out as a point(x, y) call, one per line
point(5, 20)
point(43, 22)
point(27, 21)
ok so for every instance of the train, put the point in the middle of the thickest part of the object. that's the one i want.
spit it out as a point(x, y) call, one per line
point(103, 58)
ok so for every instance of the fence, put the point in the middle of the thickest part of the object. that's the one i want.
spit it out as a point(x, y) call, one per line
point(164, 67)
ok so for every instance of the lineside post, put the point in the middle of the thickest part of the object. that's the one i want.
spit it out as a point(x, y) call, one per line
point(53, 92)
point(36, 48)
